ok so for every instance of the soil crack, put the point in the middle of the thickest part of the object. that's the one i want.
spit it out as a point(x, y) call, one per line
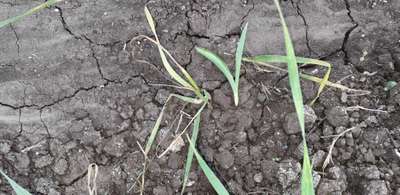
point(98, 64)
point(81, 37)
point(65, 25)
point(16, 38)
point(79, 177)
point(300, 13)
point(17, 107)
point(72, 95)
point(346, 57)
point(248, 13)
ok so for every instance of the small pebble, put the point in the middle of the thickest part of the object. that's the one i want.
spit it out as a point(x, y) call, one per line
point(258, 177)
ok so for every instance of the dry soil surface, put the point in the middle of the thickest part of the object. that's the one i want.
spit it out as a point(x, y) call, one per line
point(75, 90)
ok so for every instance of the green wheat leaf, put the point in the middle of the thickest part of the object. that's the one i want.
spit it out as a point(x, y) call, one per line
point(17, 188)
point(212, 178)
point(189, 158)
point(284, 59)
point(307, 187)
point(217, 61)
point(238, 63)
point(310, 78)
point(27, 13)
point(195, 132)
point(220, 64)
point(294, 81)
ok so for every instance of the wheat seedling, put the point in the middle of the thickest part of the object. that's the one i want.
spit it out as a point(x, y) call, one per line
point(221, 65)
point(294, 82)
point(202, 98)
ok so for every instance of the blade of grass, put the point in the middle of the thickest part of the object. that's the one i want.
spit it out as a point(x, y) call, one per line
point(307, 185)
point(191, 84)
point(238, 63)
point(311, 78)
point(283, 59)
point(153, 133)
point(294, 81)
point(17, 188)
point(293, 72)
point(185, 73)
point(164, 60)
point(28, 13)
point(217, 61)
point(220, 64)
point(189, 158)
point(212, 178)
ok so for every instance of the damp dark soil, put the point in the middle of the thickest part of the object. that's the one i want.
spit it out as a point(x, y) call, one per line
point(75, 90)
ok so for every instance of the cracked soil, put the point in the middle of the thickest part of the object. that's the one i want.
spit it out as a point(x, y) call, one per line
point(75, 90)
